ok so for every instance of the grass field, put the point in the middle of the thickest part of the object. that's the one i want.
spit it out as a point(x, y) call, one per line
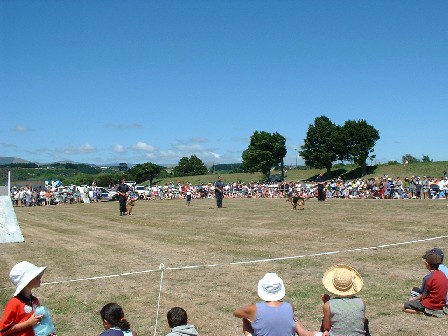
point(382, 239)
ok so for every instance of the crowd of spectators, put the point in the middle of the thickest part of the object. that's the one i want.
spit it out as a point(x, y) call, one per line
point(383, 187)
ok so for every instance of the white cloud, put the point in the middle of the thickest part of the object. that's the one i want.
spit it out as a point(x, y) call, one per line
point(215, 155)
point(118, 149)
point(21, 128)
point(198, 139)
point(169, 154)
point(142, 146)
point(150, 155)
point(124, 126)
point(189, 148)
point(87, 148)
point(69, 150)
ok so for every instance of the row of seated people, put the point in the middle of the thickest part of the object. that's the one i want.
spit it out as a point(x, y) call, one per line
point(343, 309)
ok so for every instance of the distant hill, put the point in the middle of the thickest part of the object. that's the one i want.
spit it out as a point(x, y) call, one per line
point(4, 160)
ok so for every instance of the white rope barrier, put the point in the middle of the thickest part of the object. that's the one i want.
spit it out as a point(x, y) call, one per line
point(242, 262)
point(162, 268)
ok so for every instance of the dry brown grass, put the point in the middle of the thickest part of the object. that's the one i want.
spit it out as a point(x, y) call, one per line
point(87, 240)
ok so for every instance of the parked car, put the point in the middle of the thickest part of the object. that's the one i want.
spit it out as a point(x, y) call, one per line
point(131, 184)
point(142, 191)
point(106, 195)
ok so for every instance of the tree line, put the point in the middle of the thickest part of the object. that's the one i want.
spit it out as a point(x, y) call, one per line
point(324, 144)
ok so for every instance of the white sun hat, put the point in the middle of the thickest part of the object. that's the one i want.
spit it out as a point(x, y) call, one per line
point(271, 287)
point(22, 273)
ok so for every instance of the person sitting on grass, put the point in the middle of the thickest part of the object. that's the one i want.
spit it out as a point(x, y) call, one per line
point(178, 322)
point(344, 313)
point(430, 299)
point(114, 321)
point(272, 316)
point(20, 317)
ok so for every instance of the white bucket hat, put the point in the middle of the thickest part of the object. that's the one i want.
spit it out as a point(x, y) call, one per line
point(271, 287)
point(342, 280)
point(22, 273)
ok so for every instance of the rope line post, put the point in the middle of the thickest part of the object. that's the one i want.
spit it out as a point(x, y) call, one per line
point(162, 268)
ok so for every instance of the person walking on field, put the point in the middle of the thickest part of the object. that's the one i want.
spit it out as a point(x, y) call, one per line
point(122, 190)
point(219, 192)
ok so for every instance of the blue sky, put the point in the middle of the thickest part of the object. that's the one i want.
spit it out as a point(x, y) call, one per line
point(104, 81)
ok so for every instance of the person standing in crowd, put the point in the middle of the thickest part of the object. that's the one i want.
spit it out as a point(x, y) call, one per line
point(114, 322)
point(188, 195)
point(219, 191)
point(320, 187)
point(445, 187)
point(425, 188)
point(122, 191)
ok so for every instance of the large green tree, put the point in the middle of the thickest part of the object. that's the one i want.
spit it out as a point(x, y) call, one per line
point(190, 167)
point(279, 152)
point(359, 139)
point(265, 151)
point(321, 146)
point(144, 172)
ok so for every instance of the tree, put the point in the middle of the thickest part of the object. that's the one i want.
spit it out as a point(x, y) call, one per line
point(359, 138)
point(320, 148)
point(144, 172)
point(190, 167)
point(279, 152)
point(123, 166)
point(425, 158)
point(105, 180)
point(265, 150)
point(408, 158)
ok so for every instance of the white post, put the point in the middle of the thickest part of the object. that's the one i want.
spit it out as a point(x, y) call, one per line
point(9, 183)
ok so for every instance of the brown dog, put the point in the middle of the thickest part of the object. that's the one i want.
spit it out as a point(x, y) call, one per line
point(297, 200)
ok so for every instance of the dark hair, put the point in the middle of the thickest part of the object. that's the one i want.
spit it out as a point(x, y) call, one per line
point(434, 260)
point(113, 314)
point(176, 317)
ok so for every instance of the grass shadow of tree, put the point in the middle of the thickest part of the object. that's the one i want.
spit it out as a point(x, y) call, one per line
point(357, 172)
point(346, 174)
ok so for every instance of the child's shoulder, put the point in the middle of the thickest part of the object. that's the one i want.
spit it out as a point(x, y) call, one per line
point(112, 332)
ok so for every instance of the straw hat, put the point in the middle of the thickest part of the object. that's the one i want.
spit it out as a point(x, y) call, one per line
point(342, 280)
point(22, 273)
point(271, 287)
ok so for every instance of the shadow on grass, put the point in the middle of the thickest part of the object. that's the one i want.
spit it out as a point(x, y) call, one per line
point(346, 174)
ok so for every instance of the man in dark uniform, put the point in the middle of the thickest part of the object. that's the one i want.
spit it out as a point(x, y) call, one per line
point(122, 190)
point(320, 187)
point(219, 191)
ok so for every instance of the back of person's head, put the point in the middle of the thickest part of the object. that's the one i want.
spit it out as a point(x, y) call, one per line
point(113, 314)
point(176, 317)
point(433, 260)
point(435, 250)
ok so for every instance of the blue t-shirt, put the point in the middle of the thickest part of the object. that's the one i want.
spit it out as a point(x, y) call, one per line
point(444, 269)
point(274, 321)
